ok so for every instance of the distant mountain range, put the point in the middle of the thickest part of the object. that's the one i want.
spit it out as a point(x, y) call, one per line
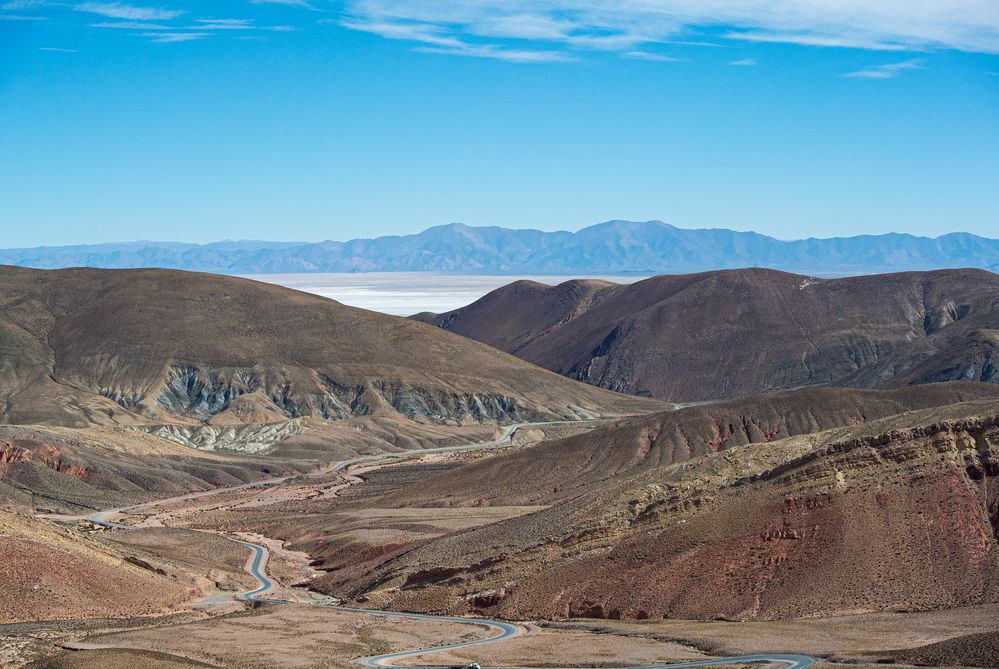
point(650, 247)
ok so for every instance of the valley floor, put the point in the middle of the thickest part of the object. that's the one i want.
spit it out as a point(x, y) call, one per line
point(213, 634)
point(304, 636)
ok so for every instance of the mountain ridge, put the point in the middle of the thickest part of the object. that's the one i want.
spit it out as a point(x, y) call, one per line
point(696, 337)
point(86, 346)
point(613, 247)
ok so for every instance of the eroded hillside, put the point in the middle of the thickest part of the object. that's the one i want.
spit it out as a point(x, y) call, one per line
point(81, 347)
point(900, 513)
point(726, 334)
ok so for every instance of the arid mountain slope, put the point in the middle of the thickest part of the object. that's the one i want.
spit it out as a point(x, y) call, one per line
point(53, 573)
point(513, 316)
point(736, 333)
point(75, 470)
point(566, 467)
point(900, 513)
point(130, 346)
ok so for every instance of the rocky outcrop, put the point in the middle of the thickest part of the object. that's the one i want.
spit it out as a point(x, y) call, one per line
point(897, 514)
point(203, 394)
point(41, 454)
point(440, 406)
point(243, 439)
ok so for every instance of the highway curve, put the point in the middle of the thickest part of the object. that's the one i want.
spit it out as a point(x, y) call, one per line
point(256, 567)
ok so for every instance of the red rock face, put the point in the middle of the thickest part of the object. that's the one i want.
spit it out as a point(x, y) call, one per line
point(907, 545)
point(39, 453)
point(899, 519)
point(914, 543)
point(28, 451)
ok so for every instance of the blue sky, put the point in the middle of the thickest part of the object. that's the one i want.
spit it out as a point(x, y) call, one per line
point(325, 119)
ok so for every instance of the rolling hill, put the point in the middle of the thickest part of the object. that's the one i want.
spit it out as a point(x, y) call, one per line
point(81, 347)
point(725, 334)
point(887, 512)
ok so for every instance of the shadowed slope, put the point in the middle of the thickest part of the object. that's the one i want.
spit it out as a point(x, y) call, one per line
point(736, 333)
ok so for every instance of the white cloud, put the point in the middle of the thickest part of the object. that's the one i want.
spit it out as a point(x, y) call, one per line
point(434, 39)
point(744, 62)
point(170, 38)
point(291, 3)
point(234, 24)
point(20, 17)
point(225, 24)
point(645, 55)
point(625, 25)
point(198, 26)
point(131, 25)
point(510, 55)
point(56, 49)
point(888, 71)
point(120, 10)
point(20, 5)
point(848, 41)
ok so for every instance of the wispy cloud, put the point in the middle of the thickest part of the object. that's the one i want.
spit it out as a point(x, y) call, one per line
point(224, 24)
point(56, 49)
point(744, 62)
point(852, 41)
point(21, 5)
point(291, 3)
point(171, 38)
point(434, 39)
point(131, 25)
point(120, 10)
point(645, 55)
point(625, 26)
point(20, 17)
point(197, 27)
point(887, 71)
point(234, 24)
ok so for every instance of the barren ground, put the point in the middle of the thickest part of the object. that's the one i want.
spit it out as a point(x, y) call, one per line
point(298, 635)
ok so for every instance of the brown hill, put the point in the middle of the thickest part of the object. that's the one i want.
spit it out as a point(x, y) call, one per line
point(736, 333)
point(896, 514)
point(53, 573)
point(970, 650)
point(567, 467)
point(88, 346)
point(511, 317)
point(73, 470)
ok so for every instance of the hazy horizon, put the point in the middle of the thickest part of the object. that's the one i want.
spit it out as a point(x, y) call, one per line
point(571, 229)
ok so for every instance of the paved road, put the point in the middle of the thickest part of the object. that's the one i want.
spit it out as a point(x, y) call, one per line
point(505, 630)
point(257, 567)
point(104, 517)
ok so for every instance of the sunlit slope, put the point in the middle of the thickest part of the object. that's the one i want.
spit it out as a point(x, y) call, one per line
point(124, 346)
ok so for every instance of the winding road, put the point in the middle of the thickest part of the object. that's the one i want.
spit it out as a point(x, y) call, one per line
point(257, 567)
point(103, 518)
